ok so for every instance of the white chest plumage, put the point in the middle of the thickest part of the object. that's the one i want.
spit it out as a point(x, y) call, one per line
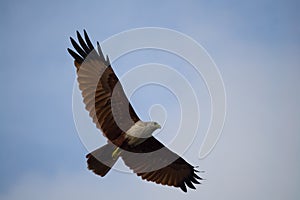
point(139, 132)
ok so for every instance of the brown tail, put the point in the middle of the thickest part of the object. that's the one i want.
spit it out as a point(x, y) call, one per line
point(101, 161)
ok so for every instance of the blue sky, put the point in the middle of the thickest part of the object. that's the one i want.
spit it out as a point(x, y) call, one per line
point(255, 44)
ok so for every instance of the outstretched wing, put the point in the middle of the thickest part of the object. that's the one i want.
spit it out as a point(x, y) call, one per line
point(154, 162)
point(101, 90)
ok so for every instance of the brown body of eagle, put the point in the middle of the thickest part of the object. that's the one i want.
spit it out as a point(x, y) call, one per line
point(112, 113)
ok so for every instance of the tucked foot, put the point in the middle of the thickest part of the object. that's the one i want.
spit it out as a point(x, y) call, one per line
point(116, 153)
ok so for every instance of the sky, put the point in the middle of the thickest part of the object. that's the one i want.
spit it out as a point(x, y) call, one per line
point(256, 46)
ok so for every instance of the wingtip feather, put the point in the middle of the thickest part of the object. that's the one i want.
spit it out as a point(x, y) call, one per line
point(183, 187)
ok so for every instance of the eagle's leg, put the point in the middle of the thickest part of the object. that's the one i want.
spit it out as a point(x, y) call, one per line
point(116, 153)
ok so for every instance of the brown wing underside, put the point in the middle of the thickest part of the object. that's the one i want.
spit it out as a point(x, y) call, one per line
point(101, 90)
point(154, 162)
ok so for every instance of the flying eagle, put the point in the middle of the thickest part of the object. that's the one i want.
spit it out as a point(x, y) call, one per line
point(128, 136)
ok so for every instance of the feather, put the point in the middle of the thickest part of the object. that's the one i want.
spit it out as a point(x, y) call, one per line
point(87, 39)
point(78, 48)
point(82, 43)
point(183, 187)
point(75, 56)
point(100, 52)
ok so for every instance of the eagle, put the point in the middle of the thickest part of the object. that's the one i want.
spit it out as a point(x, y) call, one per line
point(128, 137)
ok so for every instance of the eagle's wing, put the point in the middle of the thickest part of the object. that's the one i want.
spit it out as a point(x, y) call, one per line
point(102, 92)
point(154, 162)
